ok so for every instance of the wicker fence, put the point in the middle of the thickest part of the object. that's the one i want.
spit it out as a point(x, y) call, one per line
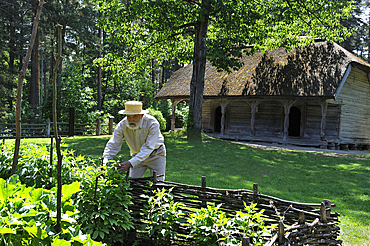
point(297, 223)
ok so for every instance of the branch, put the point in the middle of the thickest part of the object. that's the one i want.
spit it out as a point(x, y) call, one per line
point(308, 11)
point(193, 2)
point(21, 76)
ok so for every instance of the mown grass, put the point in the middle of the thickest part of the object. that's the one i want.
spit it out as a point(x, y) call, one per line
point(292, 175)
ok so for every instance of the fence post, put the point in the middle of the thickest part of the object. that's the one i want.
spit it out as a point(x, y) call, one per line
point(155, 179)
point(204, 185)
point(281, 232)
point(98, 127)
point(323, 218)
point(246, 241)
point(111, 125)
point(71, 131)
point(48, 128)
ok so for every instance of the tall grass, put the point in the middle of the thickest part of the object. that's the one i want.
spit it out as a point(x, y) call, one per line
point(291, 175)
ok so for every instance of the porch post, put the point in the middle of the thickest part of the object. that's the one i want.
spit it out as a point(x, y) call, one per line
point(287, 105)
point(173, 118)
point(254, 105)
point(324, 109)
point(223, 111)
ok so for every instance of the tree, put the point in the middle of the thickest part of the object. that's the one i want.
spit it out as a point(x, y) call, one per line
point(218, 31)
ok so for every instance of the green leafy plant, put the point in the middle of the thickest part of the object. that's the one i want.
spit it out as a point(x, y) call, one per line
point(205, 225)
point(28, 216)
point(163, 217)
point(210, 226)
point(158, 115)
point(103, 204)
point(251, 224)
point(35, 169)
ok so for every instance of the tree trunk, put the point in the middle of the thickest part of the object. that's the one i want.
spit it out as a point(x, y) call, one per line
point(197, 79)
point(21, 75)
point(35, 76)
point(99, 69)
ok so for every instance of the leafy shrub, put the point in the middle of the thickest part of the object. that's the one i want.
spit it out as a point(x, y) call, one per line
point(163, 217)
point(210, 226)
point(182, 114)
point(34, 166)
point(206, 226)
point(103, 204)
point(28, 216)
point(158, 115)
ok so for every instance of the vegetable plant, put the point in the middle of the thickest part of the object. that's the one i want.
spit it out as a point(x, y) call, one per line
point(28, 216)
point(103, 204)
point(163, 216)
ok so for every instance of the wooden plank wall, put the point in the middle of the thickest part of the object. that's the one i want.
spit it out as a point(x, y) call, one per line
point(239, 117)
point(207, 116)
point(313, 121)
point(269, 119)
point(355, 109)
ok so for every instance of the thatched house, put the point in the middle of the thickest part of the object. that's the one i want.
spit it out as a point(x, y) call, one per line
point(317, 95)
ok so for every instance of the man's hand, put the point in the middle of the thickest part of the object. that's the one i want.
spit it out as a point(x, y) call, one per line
point(124, 166)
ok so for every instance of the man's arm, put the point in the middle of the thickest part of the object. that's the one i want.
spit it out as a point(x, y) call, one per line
point(114, 144)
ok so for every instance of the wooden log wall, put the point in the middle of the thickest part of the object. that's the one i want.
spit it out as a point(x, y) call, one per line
point(269, 119)
point(298, 223)
point(313, 120)
point(239, 117)
point(355, 116)
point(207, 124)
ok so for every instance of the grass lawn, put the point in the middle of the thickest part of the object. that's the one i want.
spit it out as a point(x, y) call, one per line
point(291, 175)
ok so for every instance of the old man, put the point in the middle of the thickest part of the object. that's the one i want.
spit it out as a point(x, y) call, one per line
point(142, 134)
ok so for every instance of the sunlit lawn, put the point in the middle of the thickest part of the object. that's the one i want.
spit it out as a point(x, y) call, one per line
point(291, 175)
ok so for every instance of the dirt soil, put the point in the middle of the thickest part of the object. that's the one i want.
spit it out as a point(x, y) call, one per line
point(316, 151)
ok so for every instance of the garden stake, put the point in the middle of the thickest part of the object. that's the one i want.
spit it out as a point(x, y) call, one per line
point(128, 171)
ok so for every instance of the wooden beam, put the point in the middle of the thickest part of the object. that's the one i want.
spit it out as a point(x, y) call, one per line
point(174, 103)
point(223, 105)
point(254, 105)
point(324, 109)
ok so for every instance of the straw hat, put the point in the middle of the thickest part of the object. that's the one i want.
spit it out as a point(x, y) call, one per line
point(133, 107)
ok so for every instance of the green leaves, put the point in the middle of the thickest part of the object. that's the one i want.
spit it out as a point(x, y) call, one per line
point(28, 214)
point(103, 204)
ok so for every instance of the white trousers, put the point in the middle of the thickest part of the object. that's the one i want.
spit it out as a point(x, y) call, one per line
point(155, 162)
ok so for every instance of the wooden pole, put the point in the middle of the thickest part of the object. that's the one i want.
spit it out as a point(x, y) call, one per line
point(57, 138)
point(21, 76)
point(204, 185)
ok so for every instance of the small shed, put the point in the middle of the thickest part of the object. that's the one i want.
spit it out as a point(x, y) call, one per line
point(317, 95)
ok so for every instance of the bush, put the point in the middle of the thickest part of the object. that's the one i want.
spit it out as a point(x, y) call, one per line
point(103, 204)
point(35, 169)
point(28, 216)
point(158, 115)
point(163, 217)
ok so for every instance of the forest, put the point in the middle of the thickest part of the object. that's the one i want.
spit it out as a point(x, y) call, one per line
point(89, 77)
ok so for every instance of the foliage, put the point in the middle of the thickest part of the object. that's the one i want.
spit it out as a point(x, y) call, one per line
point(72, 92)
point(217, 31)
point(210, 225)
point(182, 114)
point(35, 169)
point(158, 115)
point(103, 204)
point(28, 217)
point(163, 217)
point(205, 225)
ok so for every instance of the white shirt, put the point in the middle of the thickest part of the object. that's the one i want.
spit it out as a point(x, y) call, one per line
point(141, 141)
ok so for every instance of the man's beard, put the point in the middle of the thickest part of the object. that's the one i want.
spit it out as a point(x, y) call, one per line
point(135, 126)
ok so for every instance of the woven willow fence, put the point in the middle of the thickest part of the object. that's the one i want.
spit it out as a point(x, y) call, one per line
point(297, 223)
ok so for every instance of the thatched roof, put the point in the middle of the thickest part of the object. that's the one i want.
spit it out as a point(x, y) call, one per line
point(315, 70)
